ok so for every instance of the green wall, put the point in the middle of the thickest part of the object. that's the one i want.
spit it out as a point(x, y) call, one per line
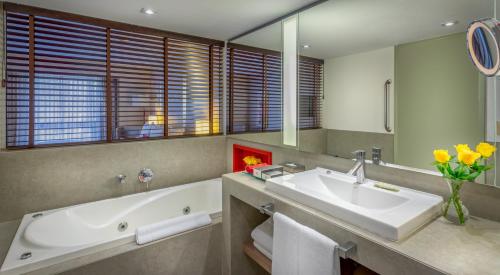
point(439, 99)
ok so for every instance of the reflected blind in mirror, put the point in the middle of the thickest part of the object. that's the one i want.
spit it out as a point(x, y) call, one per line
point(254, 92)
point(310, 92)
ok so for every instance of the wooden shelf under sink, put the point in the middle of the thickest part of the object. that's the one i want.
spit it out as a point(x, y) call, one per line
point(254, 254)
point(348, 267)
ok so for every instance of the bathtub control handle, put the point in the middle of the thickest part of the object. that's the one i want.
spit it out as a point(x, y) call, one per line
point(121, 179)
point(145, 175)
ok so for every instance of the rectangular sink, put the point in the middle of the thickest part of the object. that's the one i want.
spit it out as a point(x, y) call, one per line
point(392, 215)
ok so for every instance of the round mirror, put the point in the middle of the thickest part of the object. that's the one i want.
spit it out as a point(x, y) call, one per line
point(482, 45)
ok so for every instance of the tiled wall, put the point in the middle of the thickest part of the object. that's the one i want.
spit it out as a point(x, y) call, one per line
point(41, 179)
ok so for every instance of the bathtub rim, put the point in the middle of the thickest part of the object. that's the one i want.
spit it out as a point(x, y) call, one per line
point(72, 258)
point(145, 198)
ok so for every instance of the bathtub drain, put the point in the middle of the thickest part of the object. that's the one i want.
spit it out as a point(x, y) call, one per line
point(186, 210)
point(37, 215)
point(25, 255)
point(122, 226)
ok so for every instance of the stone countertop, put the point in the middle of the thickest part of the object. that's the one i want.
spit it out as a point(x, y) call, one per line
point(440, 245)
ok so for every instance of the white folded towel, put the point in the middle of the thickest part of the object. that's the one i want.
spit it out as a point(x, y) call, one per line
point(163, 229)
point(263, 235)
point(300, 250)
point(262, 250)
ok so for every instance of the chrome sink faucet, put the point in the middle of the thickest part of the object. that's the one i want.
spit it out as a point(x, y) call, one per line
point(359, 166)
point(377, 156)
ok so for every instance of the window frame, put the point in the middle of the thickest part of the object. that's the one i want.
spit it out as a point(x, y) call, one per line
point(215, 68)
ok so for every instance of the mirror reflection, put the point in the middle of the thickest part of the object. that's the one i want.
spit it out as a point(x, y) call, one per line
point(254, 84)
point(391, 77)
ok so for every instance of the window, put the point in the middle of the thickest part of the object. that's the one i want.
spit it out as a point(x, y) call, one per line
point(72, 79)
point(195, 88)
point(137, 85)
point(254, 90)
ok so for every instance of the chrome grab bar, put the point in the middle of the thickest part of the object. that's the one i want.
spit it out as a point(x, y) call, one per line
point(345, 251)
point(387, 102)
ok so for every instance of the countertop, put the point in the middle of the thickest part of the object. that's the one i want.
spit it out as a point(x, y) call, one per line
point(440, 245)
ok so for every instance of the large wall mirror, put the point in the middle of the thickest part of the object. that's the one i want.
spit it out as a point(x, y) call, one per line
point(389, 74)
point(255, 86)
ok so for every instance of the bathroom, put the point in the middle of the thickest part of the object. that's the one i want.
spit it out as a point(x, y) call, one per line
point(249, 137)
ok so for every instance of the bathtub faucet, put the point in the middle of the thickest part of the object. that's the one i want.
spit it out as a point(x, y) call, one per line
point(145, 176)
point(121, 178)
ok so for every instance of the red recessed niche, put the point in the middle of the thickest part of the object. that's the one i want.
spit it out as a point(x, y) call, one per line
point(240, 152)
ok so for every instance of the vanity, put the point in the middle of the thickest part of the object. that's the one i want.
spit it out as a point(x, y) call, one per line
point(380, 80)
point(438, 247)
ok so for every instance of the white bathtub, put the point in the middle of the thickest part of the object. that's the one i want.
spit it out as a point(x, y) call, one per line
point(56, 235)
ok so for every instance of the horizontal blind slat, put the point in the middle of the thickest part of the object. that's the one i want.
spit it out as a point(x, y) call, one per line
point(70, 83)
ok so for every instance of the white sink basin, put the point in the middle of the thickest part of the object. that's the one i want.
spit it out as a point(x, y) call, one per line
point(390, 214)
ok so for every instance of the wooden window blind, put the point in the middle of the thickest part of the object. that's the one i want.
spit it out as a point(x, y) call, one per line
point(55, 81)
point(137, 85)
point(194, 88)
point(72, 79)
point(310, 92)
point(254, 92)
point(17, 80)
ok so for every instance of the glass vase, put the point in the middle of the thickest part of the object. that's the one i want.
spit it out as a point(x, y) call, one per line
point(453, 209)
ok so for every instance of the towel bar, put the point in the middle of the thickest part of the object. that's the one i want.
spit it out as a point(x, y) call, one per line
point(345, 251)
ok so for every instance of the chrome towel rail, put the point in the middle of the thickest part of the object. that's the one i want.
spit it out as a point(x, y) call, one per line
point(345, 251)
point(267, 209)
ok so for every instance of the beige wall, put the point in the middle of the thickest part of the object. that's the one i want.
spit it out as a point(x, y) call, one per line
point(439, 99)
point(354, 91)
point(40, 179)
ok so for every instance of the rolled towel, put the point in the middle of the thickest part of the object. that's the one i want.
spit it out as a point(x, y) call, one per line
point(263, 235)
point(166, 228)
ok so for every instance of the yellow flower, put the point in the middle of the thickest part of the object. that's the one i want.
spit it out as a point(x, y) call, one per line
point(462, 147)
point(468, 157)
point(251, 160)
point(485, 149)
point(441, 156)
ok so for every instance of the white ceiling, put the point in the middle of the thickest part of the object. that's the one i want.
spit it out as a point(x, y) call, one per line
point(343, 27)
point(217, 19)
